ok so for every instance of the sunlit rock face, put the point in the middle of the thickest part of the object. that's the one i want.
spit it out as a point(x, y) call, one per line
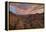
point(25, 9)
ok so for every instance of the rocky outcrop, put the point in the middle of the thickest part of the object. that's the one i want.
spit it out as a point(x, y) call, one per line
point(26, 21)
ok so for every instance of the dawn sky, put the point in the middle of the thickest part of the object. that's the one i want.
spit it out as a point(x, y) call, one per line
point(24, 9)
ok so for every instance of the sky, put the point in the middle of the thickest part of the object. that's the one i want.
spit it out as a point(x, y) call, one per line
point(21, 6)
point(22, 9)
point(13, 9)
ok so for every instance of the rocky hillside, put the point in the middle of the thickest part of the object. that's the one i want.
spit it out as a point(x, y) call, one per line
point(30, 21)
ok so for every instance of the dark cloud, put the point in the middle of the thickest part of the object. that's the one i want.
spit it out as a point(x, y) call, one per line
point(23, 6)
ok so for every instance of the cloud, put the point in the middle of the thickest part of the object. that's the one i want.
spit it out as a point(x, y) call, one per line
point(24, 9)
point(13, 9)
point(23, 6)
